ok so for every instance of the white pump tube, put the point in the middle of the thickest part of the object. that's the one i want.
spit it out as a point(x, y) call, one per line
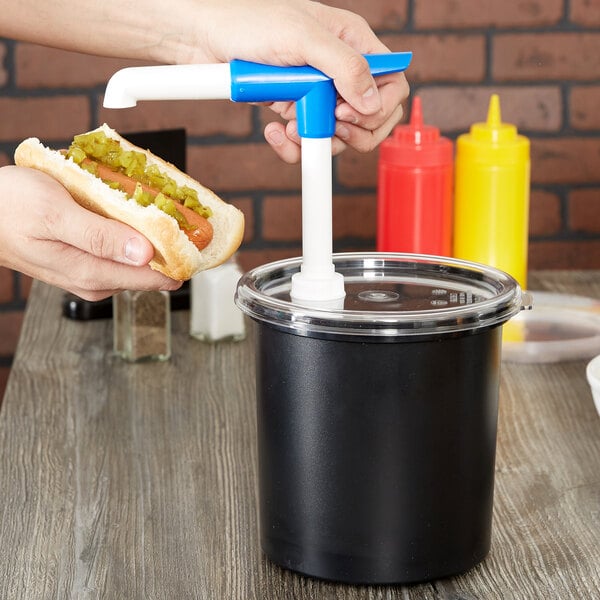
point(168, 82)
point(317, 283)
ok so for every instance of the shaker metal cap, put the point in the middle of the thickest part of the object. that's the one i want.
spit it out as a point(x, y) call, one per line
point(388, 295)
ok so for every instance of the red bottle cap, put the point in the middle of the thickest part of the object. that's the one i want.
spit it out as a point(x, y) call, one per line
point(416, 144)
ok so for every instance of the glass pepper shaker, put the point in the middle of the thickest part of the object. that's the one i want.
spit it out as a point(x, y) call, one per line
point(142, 325)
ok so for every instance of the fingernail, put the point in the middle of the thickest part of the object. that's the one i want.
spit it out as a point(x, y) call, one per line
point(276, 137)
point(342, 132)
point(346, 117)
point(371, 99)
point(171, 285)
point(134, 251)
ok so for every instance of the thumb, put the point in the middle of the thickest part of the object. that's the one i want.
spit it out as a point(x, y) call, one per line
point(336, 47)
point(102, 237)
point(355, 84)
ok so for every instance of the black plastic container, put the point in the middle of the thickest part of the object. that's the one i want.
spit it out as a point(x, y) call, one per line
point(377, 419)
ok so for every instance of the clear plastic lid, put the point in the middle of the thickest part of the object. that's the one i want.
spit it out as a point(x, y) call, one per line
point(562, 327)
point(387, 296)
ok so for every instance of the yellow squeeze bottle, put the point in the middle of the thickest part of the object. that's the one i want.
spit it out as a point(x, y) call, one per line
point(491, 203)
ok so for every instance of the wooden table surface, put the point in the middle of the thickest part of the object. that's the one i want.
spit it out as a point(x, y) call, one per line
point(124, 481)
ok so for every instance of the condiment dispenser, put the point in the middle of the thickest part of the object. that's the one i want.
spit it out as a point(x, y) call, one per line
point(315, 97)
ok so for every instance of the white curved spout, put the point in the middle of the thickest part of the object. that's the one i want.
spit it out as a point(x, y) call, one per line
point(168, 82)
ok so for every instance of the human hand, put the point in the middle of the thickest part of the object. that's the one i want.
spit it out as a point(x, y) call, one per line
point(298, 32)
point(44, 233)
point(361, 131)
point(278, 32)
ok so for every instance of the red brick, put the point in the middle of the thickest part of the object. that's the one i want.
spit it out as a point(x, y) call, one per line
point(41, 67)
point(565, 255)
point(584, 210)
point(235, 167)
point(544, 213)
point(585, 12)
point(554, 56)
point(455, 109)
point(487, 13)
point(282, 218)
point(7, 288)
point(53, 118)
point(198, 118)
point(249, 259)
point(443, 57)
point(247, 207)
point(565, 160)
point(3, 71)
point(356, 170)
point(585, 102)
point(353, 216)
point(384, 14)
point(10, 328)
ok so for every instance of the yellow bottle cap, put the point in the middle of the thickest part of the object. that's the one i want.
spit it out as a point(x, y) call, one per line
point(494, 141)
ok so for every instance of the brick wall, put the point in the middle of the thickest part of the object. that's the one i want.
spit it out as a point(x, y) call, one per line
point(541, 56)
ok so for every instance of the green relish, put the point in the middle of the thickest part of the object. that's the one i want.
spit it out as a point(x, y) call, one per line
point(98, 146)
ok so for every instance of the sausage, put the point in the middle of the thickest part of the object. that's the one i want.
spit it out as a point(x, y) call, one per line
point(201, 232)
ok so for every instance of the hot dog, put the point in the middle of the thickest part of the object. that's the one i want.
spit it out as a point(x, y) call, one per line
point(190, 227)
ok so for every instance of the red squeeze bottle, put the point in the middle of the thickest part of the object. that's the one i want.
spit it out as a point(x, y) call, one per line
point(414, 190)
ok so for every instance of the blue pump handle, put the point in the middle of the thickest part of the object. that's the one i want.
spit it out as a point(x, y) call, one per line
point(312, 90)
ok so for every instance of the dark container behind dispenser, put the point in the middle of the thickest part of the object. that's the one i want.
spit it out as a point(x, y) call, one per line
point(377, 421)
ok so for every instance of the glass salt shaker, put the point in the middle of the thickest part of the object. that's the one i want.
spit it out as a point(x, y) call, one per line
point(214, 315)
point(142, 325)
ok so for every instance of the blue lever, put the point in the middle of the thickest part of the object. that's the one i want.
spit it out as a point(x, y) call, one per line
point(313, 92)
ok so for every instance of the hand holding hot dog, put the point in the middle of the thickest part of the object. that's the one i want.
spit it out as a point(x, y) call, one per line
point(46, 235)
point(188, 225)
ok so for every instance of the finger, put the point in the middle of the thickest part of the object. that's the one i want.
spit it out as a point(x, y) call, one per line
point(364, 140)
point(286, 110)
point(393, 90)
point(354, 82)
point(96, 295)
point(337, 146)
point(287, 149)
point(340, 57)
point(94, 278)
point(101, 237)
point(290, 151)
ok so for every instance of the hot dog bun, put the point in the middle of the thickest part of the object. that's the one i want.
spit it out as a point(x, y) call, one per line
point(175, 255)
